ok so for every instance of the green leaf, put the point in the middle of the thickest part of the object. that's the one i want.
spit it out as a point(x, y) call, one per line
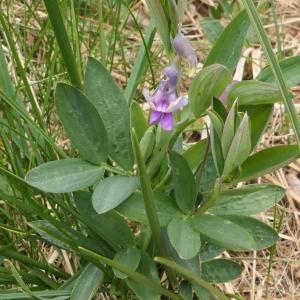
point(112, 191)
point(159, 17)
point(195, 154)
point(64, 176)
point(82, 123)
point(224, 233)
point(267, 160)
point(212, 29)
point(217, 122)
point(240, 147)
point(263, 235)
point(147, 143)
point(104, 93)
point(220, 270)
point(130, 258)
point(110, 227)
point(134, 208)
point(208, 250)
point(247, 200)
point(216, 150)
point(252, 92)
point(290, 68)
point(259, 116)
point(210, 82)
point(185, 290)
point(146, 267)
point(184, 182)
point(138, 120)
point(229, 129)
point(227, 49)
point(87, 283)
point(184, 238)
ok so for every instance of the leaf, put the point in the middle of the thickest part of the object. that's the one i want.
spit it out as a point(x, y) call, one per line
point(220, 270)
point(217, 122)
point(64, 176)
point(208, 250)
point(267, 160)
point(82, 123)
point(290, 68)
point(224, 233)
point(112, 191)
point(161, 22)
point(130, 258)
point(134, 208)
point(185, 290)
point(229, 129)
point(210, 82)
point(147, 143)
point(110, 227)
point(184, 238)
point(147, 268)
point(216, 150)
point(240, 147)
point(263, 235)
point(184, 182)
point(138, 120)
point(247, 200)
point(212, 29)
point(104, 93)
point(252, 92)
point(259, 116)
point(195, 154)
point(87, 283)
point(227, 49)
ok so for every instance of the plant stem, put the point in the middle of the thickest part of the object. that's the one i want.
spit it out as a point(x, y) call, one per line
point(191, 276)
point(132, 274)
point(287, 98)
point(150, 205)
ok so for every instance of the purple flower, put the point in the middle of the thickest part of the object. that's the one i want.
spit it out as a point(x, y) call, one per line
point(184, 49)
point(164, 101)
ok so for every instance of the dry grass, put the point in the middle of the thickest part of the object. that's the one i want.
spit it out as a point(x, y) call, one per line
point(283, 280)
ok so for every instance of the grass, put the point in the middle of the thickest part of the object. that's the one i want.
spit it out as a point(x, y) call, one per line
point(30, 66)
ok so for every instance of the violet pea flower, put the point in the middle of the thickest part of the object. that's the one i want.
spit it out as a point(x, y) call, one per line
point(184, 49)
point(224, 96)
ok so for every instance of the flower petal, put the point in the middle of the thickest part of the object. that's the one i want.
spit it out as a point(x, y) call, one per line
point(148, 98)
point(223, 97)
point(155, 117)
point(166, 121)
point(172, 73)
point(179, 103)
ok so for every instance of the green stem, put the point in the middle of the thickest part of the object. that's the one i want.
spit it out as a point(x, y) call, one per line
point(132, 274)
point(191, 276)
point(150, 205)
point(287, 99)
point(61, 35)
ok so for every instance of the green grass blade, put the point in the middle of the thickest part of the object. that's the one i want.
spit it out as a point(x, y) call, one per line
point(287, 99)
point(193, 277)
point(132, 274)
point(63, 41)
